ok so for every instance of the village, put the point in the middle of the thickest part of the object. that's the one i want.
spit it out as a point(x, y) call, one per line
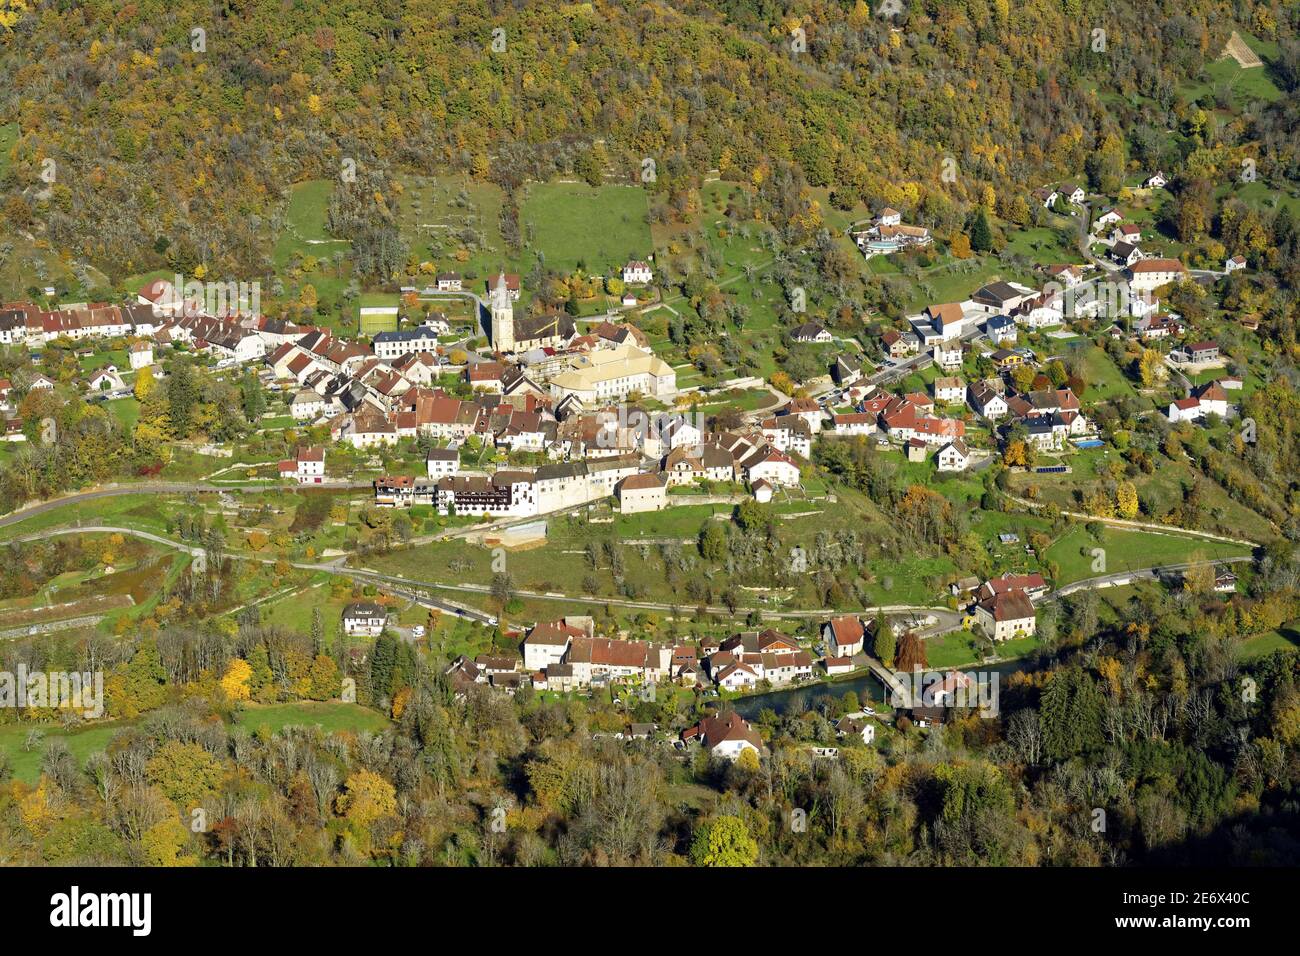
point(581, 412)
point(576, 437)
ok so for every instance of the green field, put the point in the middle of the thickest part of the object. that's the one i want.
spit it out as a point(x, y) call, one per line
point(600, 228)
point(1130, 550)
point(26, 764)
point(1285, 638)
point(371, 324)
point(125, 410)
point(1239, 87)
point(304, 253)
point(304, 226)
point(1044, 245)
point(1105, 381)
point(328, 715)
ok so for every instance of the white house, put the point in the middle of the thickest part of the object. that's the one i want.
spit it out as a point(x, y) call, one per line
point(141, 355)
point(811, 332)
point(856, 725)
point(1039, 311)
point(644, 492)
point(726, 736)
point(364, 619)
point(106, 380)
point(1001, 329)
point(1150, 274)
point(737, 676)
point(441, 462)
point(1006, 615)
point(889, 217)
point(773, 466)
point(307, 405)
point(947, 355)
point(1105, 219)
point(949, 389)
point(637, 273)
point(954, 456)
point(844, 636)
point(1157, 181)
point(424, 338)
point(308, 468)
point(853, 423)
point(789, 433)
point(987, 402)
point(1234, 264)
point(1068, 275)
point(1208, 399)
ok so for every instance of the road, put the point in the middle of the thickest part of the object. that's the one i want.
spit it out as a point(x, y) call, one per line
point(1120, 578)
point(1139, 525)
point(920, 360)
point(161, 488)
point(946, 619)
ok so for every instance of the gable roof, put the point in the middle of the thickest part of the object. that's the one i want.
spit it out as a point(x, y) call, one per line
point(1009, 606)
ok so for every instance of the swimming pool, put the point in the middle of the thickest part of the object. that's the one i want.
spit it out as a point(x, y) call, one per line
point(1088, 443)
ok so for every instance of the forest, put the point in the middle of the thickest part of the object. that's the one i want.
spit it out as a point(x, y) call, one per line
point(167, 134)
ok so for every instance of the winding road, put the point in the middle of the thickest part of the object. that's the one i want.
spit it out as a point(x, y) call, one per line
point(946, 619)
point(159, 488)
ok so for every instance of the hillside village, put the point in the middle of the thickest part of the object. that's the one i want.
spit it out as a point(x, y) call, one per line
point(623, 435)
point(585, 412)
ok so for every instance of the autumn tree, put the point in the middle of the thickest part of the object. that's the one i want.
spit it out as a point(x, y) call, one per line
point(725, 841)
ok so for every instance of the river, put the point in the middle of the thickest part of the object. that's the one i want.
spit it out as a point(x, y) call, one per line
point(865, 685)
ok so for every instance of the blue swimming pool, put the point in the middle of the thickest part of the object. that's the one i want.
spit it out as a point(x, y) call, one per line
point(1088, 443)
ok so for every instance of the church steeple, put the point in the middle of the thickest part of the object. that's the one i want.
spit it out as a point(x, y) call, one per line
point(503, 316)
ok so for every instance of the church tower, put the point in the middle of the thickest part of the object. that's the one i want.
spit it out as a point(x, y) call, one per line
point(503, 316)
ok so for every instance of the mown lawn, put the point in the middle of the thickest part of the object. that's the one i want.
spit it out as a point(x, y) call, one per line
point(330, 716)
point(1125, 550)
point(81, 743)
point(1285, 638)
point(599, 227)
point(1105, 380)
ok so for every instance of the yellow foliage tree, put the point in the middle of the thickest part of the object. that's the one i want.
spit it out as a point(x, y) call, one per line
point(1126, 500)
point(235, 682)
point(144, 383)
point(366, 797)
point(162, 844)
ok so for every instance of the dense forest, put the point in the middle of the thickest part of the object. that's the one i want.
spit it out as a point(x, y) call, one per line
point(167, 134)
point(1143, 743)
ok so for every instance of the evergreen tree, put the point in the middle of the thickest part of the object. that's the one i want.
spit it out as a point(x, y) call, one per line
point(1071, 714)
point(885, 643)
point(182, 397)
point(981, 236)
point(317, 632)
point(382, 661)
